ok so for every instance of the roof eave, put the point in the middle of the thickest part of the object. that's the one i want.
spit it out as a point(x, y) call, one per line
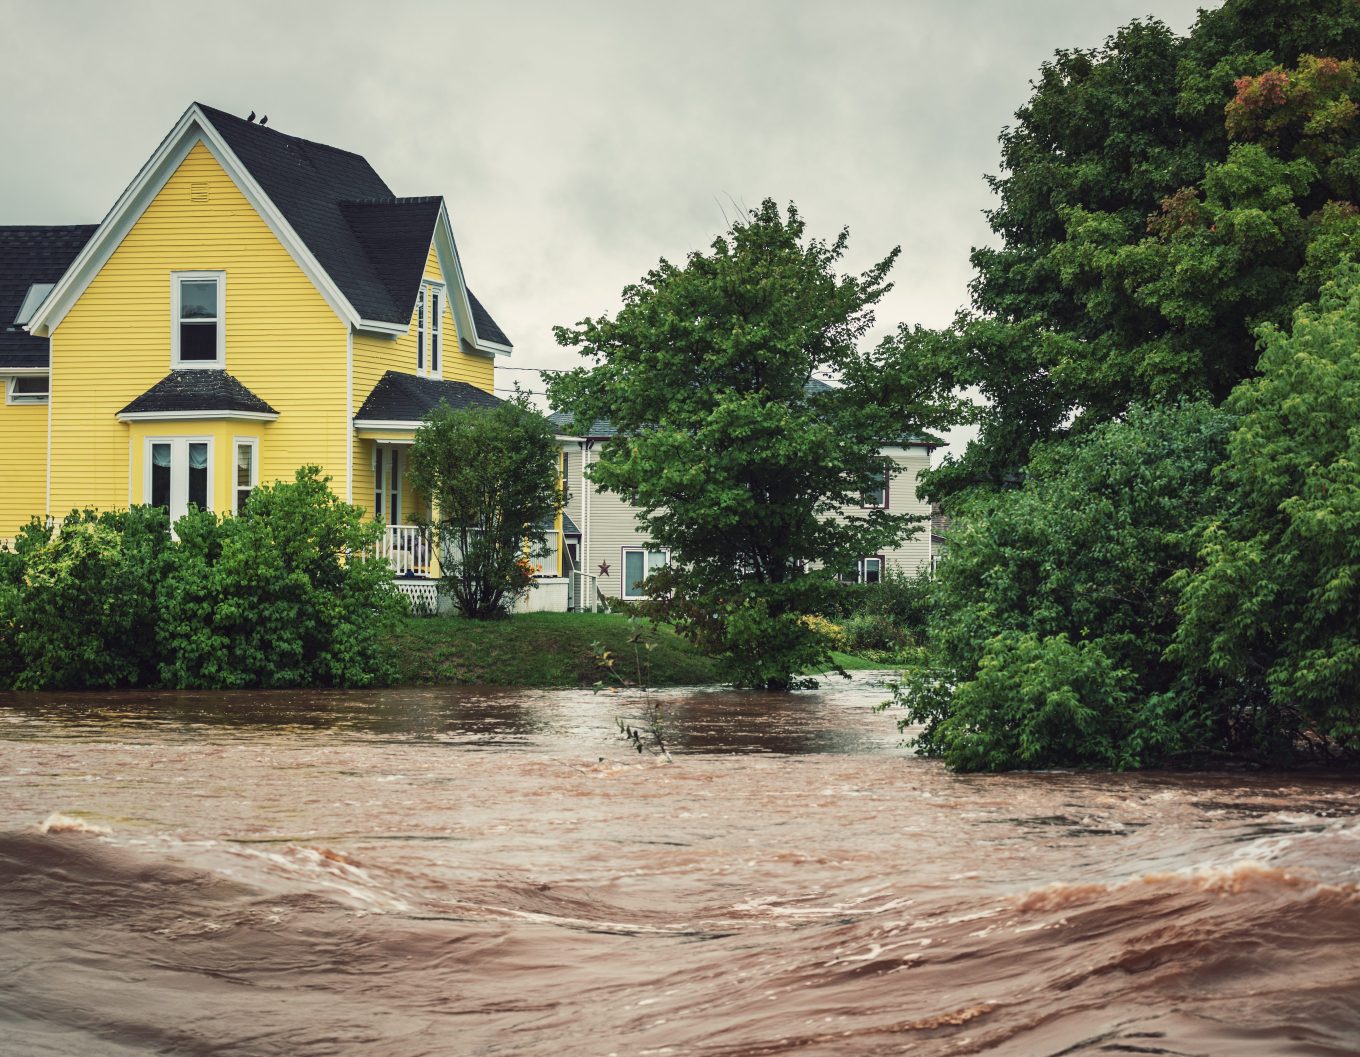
point(153, 175)
point(174, 416)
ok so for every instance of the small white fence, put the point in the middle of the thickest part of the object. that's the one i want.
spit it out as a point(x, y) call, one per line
point(406, 550)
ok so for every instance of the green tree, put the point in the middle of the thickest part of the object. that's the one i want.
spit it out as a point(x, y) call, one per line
point(493, 477)
point(1053, 613)
point(1274, 610)
point(733, 461)
point(1160, 198)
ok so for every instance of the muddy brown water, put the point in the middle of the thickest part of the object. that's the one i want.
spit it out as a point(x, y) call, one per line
point(463, 872)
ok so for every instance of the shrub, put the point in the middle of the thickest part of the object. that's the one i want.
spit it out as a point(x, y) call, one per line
point(285, 595)
point(79, 605)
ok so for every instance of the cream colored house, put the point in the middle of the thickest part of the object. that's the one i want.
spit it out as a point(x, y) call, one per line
point(605, 552)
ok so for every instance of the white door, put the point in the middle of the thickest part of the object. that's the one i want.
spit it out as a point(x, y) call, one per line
point(179, 472)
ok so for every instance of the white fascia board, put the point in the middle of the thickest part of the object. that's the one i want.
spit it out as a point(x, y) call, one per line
point(193, 127)
point(24, 372)
point(446, 246)
point(378, 326)
point(173, 416)
point(384, 424)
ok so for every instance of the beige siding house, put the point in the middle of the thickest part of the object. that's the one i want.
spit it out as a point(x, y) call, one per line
point(606, 551)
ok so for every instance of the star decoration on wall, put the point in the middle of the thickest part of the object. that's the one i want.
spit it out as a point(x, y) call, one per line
point(604, 568)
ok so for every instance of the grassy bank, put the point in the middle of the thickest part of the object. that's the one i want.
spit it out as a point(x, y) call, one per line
point(546, 649)
point(538, 649)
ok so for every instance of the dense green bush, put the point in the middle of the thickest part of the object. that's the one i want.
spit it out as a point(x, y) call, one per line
point(1272, 609)
point(882, 620)
point(78, 608)
point(284, 595)
point(1053, 614)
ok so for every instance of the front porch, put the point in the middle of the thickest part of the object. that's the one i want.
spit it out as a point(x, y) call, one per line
point(415, 572)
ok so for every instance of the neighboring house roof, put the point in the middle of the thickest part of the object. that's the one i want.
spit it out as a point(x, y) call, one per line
point(364, 247)
point(28, 255)
point(569, 526)
point(404, 398)
point(198, 391)
point(939, 523)
point(566, 424)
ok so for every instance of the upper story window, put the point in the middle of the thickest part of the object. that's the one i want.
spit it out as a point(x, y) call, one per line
point(29, 389)
point(876, 495)
point(429, 327)
point(199, 298)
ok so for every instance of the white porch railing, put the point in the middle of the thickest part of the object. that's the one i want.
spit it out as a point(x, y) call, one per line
point(582, 592)
point(405, 550)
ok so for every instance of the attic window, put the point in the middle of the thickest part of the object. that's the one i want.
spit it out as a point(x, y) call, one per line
point(37, 293)
point(429, 327)
point(198, 306)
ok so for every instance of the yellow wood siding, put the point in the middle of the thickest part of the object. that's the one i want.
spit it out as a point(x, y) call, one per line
point(374, 355)
point(283, 342)
point(23, 439)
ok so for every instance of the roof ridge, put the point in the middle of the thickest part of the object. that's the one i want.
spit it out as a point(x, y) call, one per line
point(395, 200)
point(213, 112)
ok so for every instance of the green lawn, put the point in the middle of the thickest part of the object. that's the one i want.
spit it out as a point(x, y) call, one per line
point(539, 649)
point(547, 649)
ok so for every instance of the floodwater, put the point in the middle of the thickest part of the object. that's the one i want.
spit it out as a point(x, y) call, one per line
point(455, 872)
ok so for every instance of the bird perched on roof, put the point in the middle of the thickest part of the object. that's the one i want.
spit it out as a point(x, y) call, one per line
point(252, 116)
point(264, 120)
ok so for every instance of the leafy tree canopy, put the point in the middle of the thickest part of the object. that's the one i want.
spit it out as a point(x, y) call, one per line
point(492, 474)
point(1274, 608)
point(736, 460)
point(1160, 198)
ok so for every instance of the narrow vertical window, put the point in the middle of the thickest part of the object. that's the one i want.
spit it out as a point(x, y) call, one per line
point(160, 475)
point(198, 475)
point(246, 473)
point(378, 483)
point(436, 327)
point(394, 490)
point(420, 330)
point(198, 321)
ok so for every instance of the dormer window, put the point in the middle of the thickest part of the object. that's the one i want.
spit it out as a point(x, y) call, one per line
point(429, 327)
point(198, 298)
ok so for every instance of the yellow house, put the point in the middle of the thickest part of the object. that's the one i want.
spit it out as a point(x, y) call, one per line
point(253, 302)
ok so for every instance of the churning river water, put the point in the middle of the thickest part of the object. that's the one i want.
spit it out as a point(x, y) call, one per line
point(463, 872)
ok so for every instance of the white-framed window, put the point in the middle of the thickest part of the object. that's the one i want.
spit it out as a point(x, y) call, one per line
point(387, 484)
point(638, 563)
point(420, 329)
point(876, 495)
point(179, 472)
point(28, 389)
point(198, 306)
point(871, 569)
point(245, 469)
point(429, 328)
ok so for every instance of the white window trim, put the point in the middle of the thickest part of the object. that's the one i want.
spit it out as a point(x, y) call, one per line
point(237, 442)
point(220, 363)
point(434, 322)
point(146, 464)
point(882, 567)
point(429, 325)
point(646, 572)
point(11, 397)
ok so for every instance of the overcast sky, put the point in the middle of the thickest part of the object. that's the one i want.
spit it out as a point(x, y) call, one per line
point(576, 143)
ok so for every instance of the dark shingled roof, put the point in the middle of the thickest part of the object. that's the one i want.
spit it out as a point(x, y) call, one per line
point(198, 390)
point(405, 398)
point(569, 526)
point(371, 243)
point(31, 255)
point(567, 425)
